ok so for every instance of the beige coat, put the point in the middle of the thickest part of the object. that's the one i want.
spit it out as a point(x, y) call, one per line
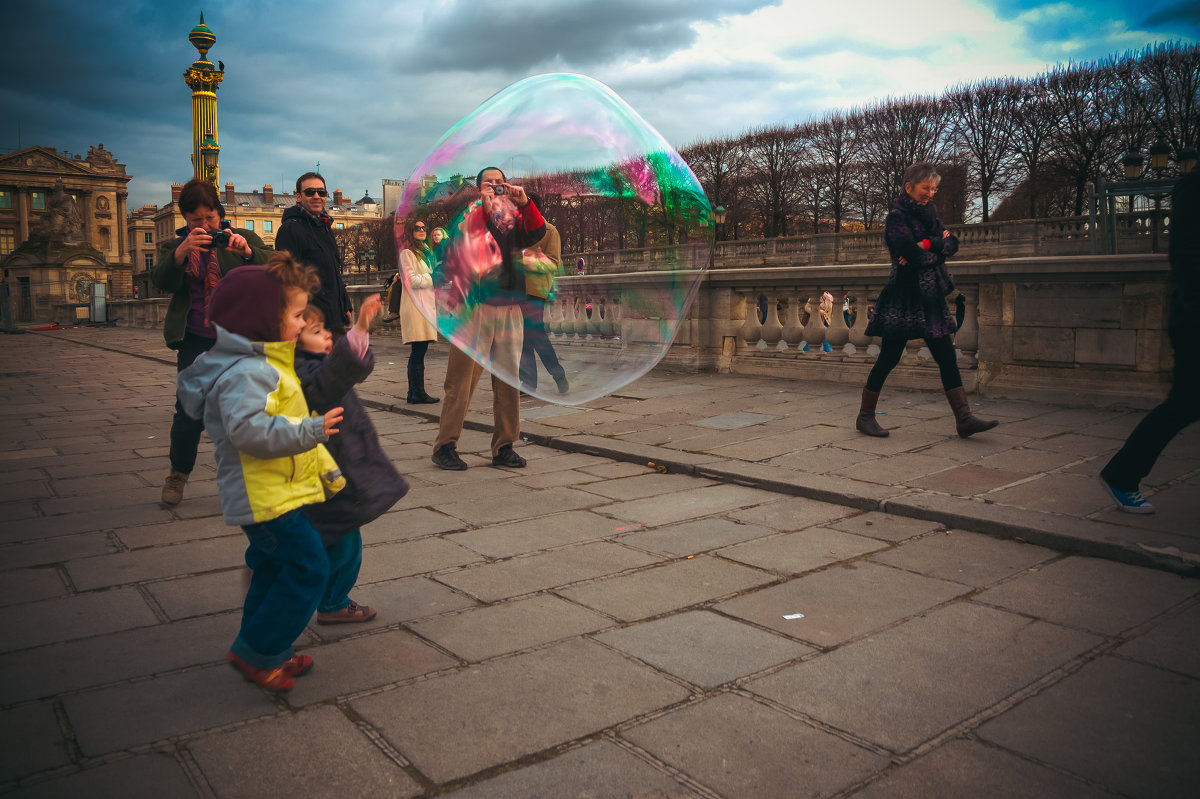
point(418, 283)
point(541, 263)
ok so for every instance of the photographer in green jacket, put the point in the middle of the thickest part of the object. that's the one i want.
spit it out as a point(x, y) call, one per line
point(189, 268)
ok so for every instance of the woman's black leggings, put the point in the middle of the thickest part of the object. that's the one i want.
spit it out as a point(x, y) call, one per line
point(417, 356)
point(942, 350)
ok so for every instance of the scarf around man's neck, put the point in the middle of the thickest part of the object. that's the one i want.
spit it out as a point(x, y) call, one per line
point(202, 266)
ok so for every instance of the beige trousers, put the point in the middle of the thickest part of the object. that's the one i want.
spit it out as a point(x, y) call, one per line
point(497, 330)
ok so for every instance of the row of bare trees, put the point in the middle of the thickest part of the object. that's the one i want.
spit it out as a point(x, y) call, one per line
point(1009, 148)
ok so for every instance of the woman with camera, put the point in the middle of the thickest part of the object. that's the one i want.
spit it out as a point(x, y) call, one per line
point(188, 268)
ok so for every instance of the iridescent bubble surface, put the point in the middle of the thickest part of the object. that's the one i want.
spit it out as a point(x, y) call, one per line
point(575, 278)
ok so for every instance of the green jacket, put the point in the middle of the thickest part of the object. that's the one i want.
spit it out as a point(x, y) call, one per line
point(170, 276)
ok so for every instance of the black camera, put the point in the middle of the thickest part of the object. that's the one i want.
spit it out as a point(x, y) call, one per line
point(499, 189)
point(220, 238)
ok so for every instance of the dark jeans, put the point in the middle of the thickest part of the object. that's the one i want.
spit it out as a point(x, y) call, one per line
point(1147, 441)
point(290, 569)
point(942, 350)
point(345, 559)
point(185, 431)
point(537, 341)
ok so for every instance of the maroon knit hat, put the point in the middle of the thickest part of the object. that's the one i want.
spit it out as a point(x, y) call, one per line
point(247, 301)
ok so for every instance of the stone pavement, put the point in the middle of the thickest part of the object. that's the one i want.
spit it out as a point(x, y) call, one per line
point(588, 626)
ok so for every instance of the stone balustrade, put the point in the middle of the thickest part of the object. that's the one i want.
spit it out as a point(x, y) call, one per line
point(1080, 329)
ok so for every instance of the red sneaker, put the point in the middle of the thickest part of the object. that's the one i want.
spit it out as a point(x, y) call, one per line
point(295, 666)
point(276, 679)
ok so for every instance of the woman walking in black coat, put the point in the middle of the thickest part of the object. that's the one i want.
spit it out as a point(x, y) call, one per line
point(913, 303)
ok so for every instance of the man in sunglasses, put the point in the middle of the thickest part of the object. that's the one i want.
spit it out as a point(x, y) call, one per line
point(306, 232)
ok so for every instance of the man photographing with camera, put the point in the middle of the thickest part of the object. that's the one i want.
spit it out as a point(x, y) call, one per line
point(188, 268)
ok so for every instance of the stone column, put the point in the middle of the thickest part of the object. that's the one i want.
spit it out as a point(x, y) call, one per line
point(22, 215)
point(123, 253)
point(87, 214)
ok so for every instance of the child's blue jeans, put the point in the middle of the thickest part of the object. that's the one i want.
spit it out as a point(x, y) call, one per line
point(345, 559)
point(290, 571)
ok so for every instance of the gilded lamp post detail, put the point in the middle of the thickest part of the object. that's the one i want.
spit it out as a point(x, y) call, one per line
point(203, 78)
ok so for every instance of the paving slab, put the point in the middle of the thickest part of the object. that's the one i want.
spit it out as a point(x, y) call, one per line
point(649, 592)
point(801, 551)
point(1140, 740)
point(967, 558)
point(1091, 594)
point(1172, 643)
point(598, 769)
point(480, 717)
point(326, 753)
point(154, 563)
point(481, 633)
point(368, 660)
point(202, 594)
point(903, 686)
point(692, 538)
point(508, 578)
point(738, 747)
point(78, 616)
point(142, 712)
point(967, 768)
point(841, 603)
point(730, 650)
point(156, 775)
point(31, 740)
point(538, 533)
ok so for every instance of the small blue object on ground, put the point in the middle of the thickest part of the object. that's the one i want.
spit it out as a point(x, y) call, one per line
point(1128, 501)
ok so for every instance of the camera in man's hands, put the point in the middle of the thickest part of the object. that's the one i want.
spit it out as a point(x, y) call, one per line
point(220, 238)
point(499, 189)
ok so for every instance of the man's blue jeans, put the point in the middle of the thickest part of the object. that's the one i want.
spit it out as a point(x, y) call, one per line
point(290, 571)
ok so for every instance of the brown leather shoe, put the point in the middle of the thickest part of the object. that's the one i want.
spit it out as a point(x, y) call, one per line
point(172, 493)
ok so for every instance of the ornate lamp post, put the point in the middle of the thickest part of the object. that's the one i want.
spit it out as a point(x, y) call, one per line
point(718, 215)
point(204, 78)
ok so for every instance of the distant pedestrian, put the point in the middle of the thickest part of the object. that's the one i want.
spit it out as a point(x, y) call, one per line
point(270, 458)
point(542, 263)
point(1123, 474)
point(328, 373)
point(411, 299)
point(913, 303)
point(307, 233)
point(189, 268)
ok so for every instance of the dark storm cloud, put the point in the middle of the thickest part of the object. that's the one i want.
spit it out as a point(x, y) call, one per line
point(1184, 15)
point(519, 37)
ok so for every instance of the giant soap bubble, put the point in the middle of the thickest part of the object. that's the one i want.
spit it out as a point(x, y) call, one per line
point(513, 295)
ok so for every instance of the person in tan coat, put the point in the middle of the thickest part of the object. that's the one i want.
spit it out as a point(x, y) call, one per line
point(541, 262)
point(416, 303)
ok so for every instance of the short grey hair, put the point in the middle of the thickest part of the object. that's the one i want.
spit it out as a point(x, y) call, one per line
point(920, 172)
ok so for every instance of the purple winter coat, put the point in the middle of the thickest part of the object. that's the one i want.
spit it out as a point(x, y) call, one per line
point(913, 303)
point(372, 484)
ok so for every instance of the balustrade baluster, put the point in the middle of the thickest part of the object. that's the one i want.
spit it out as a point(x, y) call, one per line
point(814, 331)
point(772, 329)
point(793, 326)
point(751, 329)
point(837, 334)
point(967, 338)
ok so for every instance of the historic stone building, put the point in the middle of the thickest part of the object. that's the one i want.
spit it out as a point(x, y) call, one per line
point(62, 228)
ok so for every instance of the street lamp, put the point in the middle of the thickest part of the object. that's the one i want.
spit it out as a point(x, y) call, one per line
point(1187, 159)
point(719, 215)
point(1132, 162)
point(210, 152)
point(1160, 154)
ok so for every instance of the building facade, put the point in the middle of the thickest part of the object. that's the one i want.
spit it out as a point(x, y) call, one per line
point(62, 228)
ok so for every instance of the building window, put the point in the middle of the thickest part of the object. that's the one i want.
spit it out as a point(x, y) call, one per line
point(149, 261)
point(267, 226)
point(5, 199)
point(8, 240)
point(148, 238)
point(341, 226)
point(250, 224)
point(39, 200)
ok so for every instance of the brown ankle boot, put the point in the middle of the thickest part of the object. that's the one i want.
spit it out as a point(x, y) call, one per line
point(866, 422)
point(172, 493)
point(966, 422)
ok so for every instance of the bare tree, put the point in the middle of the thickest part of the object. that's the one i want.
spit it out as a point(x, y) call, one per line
point(900, 132)
point(835, 141)
point(984, 119)
point(718, 163)
point(1163, 83)
point(1087, 142)
point(1035, 119)
point(774, 156)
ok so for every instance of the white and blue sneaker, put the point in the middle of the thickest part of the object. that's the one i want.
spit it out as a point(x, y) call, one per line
point(1128, 501)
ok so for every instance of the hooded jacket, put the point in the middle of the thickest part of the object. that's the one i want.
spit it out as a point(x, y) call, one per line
point(311, 242)
point(248, 395)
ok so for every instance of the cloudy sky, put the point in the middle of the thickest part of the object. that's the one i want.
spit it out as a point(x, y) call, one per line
point(367, 88)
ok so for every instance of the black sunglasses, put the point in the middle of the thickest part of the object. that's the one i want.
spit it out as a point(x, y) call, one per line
point(418, 227)
point(316, 193)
